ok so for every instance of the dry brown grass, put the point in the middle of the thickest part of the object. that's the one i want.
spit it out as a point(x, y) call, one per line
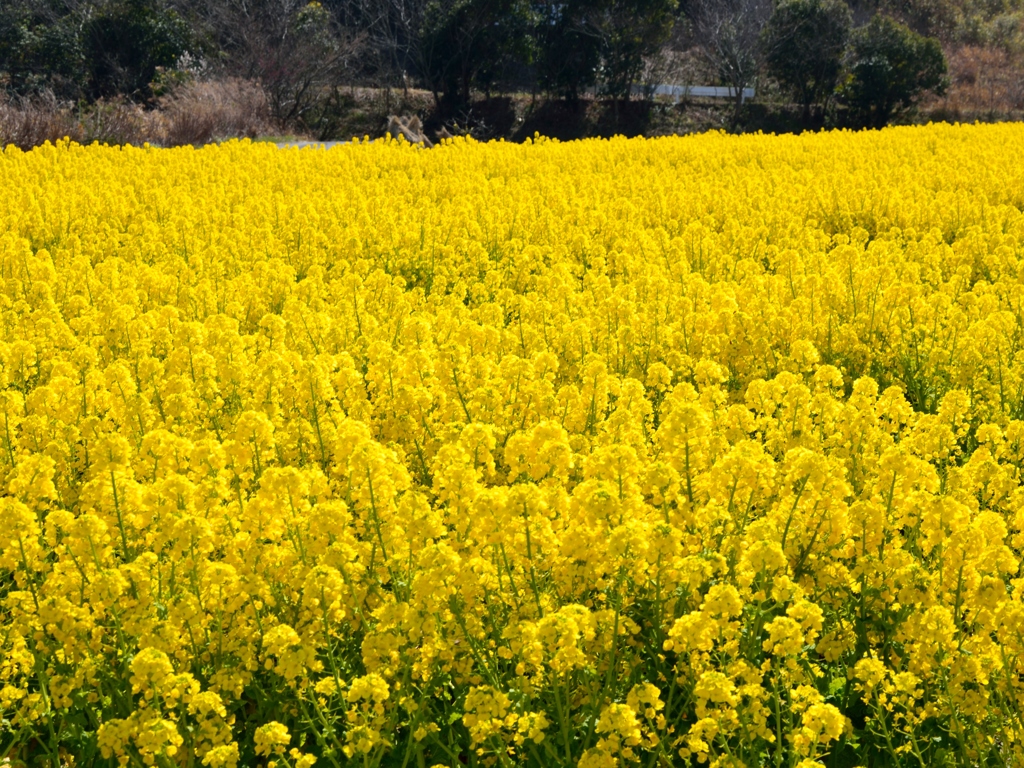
point(985, 84)
point(29, 122)
point(116, 122)
point(204, 111)
point(195, 113)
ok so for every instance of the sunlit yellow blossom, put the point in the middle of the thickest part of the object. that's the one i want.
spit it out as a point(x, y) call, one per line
point(701, 450)
point(271, 739)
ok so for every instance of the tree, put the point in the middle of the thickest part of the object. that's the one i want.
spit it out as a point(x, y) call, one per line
point(294, 48)
point(581, 43)
point(568, 47)
point(391, 33)
point(939, 18)
point(463, 43)
point(804, 42)
point(125, 43)
point(89, 48)
point(630, 31)
point(728, 34)
point(39, 51)
point(889, 67)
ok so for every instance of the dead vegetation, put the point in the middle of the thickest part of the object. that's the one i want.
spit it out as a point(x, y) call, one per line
point(201, 112)
point(985, 84)
point(29, 122)
point(195, 113)
point(407, 127)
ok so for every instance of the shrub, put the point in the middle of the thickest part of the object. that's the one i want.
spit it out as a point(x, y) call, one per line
point(804, 43)
point(201, 112)
point(116, 121)
point(889, 67)
point(27, 122)
point(89, 48)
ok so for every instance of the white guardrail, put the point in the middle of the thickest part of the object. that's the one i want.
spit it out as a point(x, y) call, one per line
point(677, 92)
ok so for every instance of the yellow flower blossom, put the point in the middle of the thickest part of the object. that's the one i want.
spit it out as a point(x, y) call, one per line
point(596, 453)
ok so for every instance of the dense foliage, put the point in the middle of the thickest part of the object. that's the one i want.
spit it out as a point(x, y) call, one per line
point(805, 41)
point(302, 52)
point(890, 67)
point(605, 453)
point(92, 49)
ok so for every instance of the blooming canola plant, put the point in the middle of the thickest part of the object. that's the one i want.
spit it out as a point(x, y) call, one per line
point(604, 453)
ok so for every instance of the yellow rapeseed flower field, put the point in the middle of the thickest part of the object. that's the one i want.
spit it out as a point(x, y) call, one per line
point(647, 453)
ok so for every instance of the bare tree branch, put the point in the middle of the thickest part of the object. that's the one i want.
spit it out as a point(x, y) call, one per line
point(728, 34)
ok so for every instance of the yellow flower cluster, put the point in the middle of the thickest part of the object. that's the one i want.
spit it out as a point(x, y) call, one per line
point(608, 453)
